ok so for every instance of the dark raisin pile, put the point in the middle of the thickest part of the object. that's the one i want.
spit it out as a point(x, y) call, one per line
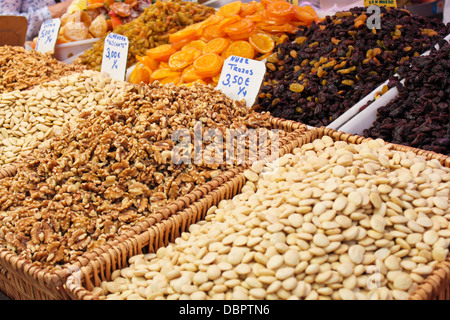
point(330, 66)
point(420, 115)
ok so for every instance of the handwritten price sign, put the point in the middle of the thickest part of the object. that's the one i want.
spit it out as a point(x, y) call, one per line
point(48, 35)
point(241, 78)
point(115, 56)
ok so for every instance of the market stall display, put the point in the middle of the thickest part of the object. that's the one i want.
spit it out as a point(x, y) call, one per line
point(419, 116)
point(197, 53)
point(150, 29)
point(162, 187)
point(336, 217)
point(333, 64)
point(21, 69)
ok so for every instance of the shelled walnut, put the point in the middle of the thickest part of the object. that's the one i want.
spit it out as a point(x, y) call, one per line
point(96, 180)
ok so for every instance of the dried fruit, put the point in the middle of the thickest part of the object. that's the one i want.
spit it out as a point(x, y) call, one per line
point(239, 48)
point(420, 115)
point(150, 29)
point(263, 43)
point(208, 65)
point(229, 30)
point(217, 46)
point(339, 63)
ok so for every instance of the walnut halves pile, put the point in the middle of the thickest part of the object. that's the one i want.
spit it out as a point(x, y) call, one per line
point(21, 69)
point(97, 180)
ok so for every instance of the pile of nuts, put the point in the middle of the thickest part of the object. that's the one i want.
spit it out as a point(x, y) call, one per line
point(331, 220)
point(96, 180)
point(332, 65)
point(29, 117)
point(21, 69)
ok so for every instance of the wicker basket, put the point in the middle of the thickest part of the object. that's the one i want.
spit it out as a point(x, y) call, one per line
point(22, 280)
point(436, 286)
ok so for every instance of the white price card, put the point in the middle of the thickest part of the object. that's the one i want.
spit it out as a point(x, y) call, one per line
point(115, 56)
point(48, 35)
point(241, 78)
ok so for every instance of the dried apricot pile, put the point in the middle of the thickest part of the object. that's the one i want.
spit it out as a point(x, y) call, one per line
point(197, 52)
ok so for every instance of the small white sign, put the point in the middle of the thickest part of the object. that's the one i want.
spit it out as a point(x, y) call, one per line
point(48, 35)
point(115, 56)
point(241, 78)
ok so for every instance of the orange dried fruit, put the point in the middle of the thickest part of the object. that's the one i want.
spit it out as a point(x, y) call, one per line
point(181, 59)
point(265, 3)
point(212, 32)
point(263, 43)
point(256, 17)
point(270, 19)
point(286, 28)
point(189, 32)
point(172, 79)
point(240, 27)
point(242, 36)
point(163, 65)
point(305, 14)
point(217, 45)
point(196, 44)
point(150, 63)
point(240, 48)
point(208, 65)
point(227, 22)
point(140, 74)
point(164, 73)
point(161, 53)
point(189, 74)
point(248, 9)
point(280, 9)
point(231, 9)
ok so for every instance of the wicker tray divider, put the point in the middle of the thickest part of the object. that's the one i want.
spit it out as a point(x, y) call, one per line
point(21, 279)
point(435, 287)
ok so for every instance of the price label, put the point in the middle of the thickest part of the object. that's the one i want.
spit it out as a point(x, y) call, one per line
point(48, 35)
point(241, 78)
point(115, 56)
point(381, 3)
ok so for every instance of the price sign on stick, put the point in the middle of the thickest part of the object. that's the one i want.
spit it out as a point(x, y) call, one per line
point(48, 35)
point(241, 78)
point(115, 56)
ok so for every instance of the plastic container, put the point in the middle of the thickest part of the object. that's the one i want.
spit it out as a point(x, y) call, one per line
point(65, 51)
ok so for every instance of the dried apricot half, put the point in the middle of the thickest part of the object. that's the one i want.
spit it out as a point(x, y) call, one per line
point(196, 44)
point(181, 59)
point(231, 9)
point(217, 45)
point(140, 74)
point(280, 9)
point(189, 74)
point(163, 73)
point(240, 48)
point(263, 43)
point(208, 65)
point(161, 53)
